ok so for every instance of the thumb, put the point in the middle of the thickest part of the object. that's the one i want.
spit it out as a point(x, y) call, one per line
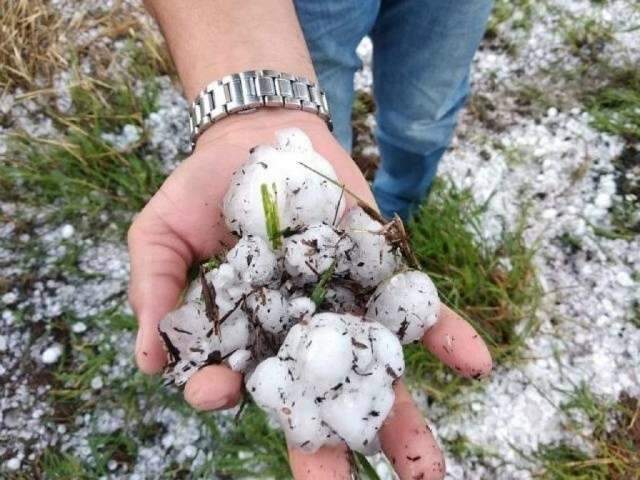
point(159, 263)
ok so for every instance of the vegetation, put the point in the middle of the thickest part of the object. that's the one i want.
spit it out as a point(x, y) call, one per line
point(81, 172)
point(615, 106)
point(615, 437)
point(493, 286)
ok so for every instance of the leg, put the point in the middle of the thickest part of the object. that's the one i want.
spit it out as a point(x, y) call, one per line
point(422, 53)
point(333, 29)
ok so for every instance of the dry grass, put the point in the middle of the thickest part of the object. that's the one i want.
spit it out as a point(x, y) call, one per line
point(36, 41)
point(615, 437)
point(31, 34)
point(123, 23)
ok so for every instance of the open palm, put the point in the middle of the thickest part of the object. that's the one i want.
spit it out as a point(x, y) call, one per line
point(182, 224)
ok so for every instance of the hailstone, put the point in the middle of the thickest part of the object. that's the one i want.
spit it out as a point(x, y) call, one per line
point(349, 401)
point(310, 253)
point(407, 304)
point(286, 170)
point(373, 259)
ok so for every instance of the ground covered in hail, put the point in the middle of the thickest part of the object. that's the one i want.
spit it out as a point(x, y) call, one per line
point(532, 232)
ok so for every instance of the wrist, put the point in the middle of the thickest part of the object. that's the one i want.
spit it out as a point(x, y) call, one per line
point(261, 124)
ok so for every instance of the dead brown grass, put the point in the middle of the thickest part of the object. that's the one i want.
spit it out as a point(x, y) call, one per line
point(30, 42)
point(36, 41)
point(123, 22)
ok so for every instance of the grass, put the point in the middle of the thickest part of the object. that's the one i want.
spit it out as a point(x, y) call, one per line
point(587, 37)
point(80, 173)
point(461, 448)
point(518, 15)
point(59, 466)
point(272, 218)
point(74, 170)
point(363, 106)
point(615, 438)
point(253, 448)
point(615, 105)
point(36, 42)
point(494, 287)
point(87, 356)
point(30, 46)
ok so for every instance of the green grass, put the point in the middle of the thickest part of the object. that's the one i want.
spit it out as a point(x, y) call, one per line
point(461, 448)
point(565, 462)
point(570, 242)
point(89, 355)
point(252, 448)
point(272, 218)
point(615, 106)
point(472, 278)
point(363, 105)
point(615, 438)
point(587, 37)
point(54, 465)
point(518, 14)
point(81, 174)
point(615, 109)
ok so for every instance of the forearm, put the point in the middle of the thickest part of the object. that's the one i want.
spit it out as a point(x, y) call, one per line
point(212, 38)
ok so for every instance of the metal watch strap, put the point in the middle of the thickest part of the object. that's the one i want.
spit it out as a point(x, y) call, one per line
point(250, 90)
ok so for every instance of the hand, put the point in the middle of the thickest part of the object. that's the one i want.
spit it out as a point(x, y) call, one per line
point(182, 224)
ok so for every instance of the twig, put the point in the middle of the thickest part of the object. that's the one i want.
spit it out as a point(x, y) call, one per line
point(235, 307)
point(405, 247)
point(209, 297)
point(335, 215)
point(244, 403)
point(361, 203)
point(397, 233)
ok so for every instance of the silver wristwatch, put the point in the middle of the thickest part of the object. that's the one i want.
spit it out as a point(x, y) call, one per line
point(247, 91)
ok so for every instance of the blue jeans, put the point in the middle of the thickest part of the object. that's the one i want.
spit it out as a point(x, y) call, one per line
point(421, 58)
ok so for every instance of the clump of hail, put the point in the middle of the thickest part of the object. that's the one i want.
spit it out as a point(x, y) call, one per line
point(312, 304)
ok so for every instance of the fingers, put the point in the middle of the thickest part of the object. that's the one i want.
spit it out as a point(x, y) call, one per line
point(458, 345)
point(407, 441)
point(159, 263)
point(213, 388)
point(328, 463)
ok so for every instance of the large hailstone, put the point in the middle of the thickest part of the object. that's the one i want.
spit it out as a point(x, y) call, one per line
point(372, 259)
point(253, 260)
point(228, 284)
point(349, 401)
point(302, 196)
point(407, 304)
point(308, 254)
point(192, 343)
point(268, 308)
point(189, 334)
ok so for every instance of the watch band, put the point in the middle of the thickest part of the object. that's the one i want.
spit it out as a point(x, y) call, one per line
point(248, 91)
